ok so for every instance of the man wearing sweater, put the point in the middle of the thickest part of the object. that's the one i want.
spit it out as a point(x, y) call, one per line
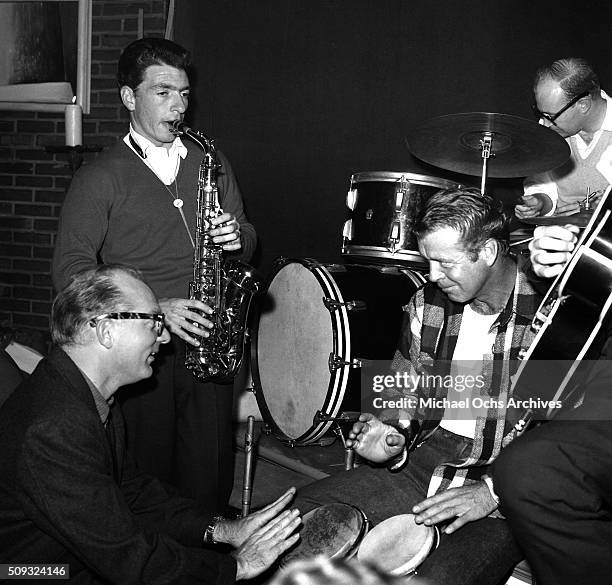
point(570, 101)
point(136, 205)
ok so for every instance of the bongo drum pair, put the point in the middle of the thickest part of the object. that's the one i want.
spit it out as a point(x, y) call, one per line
point(398, 545)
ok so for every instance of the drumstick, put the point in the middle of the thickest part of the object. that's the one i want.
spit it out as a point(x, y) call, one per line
point(248, 463)
point(521, 241)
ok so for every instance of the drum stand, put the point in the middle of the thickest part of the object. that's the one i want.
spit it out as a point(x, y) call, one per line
point(247, 481)
point(343, 420)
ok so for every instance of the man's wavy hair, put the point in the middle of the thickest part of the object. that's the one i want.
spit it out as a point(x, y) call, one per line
point(143, 53)
point(573, 74)
point(476, 217)
point(90, 293)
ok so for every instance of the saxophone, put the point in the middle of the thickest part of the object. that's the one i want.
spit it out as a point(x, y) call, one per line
point(227, 286)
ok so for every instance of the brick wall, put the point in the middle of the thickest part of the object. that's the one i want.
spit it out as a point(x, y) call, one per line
point(33, 181)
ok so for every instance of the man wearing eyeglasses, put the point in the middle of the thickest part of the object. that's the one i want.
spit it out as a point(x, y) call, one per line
point(71, 499)
point(569, 100)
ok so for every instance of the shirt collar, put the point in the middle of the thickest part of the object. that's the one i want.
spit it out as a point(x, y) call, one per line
point(607, 122)
point(148, 148)
point(102, 405)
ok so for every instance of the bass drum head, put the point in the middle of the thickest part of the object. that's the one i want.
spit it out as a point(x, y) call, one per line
point(293, 333)
point(311, 328)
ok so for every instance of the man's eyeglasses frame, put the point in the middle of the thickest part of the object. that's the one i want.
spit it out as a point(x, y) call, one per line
point(552, 117)
point(158, 318)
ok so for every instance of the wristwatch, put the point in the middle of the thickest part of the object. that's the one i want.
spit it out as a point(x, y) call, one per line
point(209, 533)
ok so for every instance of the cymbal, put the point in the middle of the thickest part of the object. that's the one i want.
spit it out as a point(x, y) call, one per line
point(519, 147)
point(580, 219)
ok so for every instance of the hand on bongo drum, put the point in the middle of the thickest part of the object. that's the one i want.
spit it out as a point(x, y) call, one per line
point(261, 537)
point(266, 544)
point(466, 504)
point(375, 440)
point(236, 532)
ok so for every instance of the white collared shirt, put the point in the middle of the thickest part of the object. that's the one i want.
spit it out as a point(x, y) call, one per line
point(164, 162)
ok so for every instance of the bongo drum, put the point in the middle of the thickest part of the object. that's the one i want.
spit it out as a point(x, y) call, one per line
point(398, 545)
point(333, 530)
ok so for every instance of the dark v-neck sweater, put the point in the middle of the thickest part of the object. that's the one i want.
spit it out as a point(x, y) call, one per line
point(117, 210)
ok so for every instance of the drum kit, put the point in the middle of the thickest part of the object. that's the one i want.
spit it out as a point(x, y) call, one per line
point(319, 323)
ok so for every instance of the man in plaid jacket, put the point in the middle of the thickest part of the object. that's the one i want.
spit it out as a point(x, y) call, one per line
point(469, 322)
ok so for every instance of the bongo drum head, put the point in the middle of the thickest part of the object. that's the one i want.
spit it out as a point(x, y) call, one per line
point(398, 545)
point(333, 530)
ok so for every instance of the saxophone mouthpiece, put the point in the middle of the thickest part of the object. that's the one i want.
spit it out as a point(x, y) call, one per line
point(177, 127)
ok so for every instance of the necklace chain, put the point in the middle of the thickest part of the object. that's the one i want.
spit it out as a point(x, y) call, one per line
point(176, 200)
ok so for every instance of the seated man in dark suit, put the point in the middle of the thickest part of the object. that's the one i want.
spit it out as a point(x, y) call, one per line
point(69, 491)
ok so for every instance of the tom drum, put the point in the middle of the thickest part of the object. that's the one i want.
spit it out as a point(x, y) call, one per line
point(384, 207)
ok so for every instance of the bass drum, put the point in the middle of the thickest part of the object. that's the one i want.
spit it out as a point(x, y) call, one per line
point(312, 328)
point(384, 207)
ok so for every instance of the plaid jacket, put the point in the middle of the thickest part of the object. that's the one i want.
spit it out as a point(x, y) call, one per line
point(429, 349)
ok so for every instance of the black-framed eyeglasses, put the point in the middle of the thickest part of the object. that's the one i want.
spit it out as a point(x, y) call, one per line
point(157, 318)
point(552, 117)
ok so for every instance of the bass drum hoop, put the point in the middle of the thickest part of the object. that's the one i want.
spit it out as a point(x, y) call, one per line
point(341, 341)
point(341, 347)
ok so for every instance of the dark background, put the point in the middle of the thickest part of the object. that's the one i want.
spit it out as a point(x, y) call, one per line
point(301, 94)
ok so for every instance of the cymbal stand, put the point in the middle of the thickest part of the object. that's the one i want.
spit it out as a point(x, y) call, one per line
point(486, 143)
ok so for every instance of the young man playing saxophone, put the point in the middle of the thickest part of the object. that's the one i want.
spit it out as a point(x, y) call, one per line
point(136, 204)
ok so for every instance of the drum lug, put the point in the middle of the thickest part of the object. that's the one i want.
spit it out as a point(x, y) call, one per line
point(394, 236)
point(333, 305)
point(336, 362)
point(351, 199)
point(347, 230)
point(399, 199)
